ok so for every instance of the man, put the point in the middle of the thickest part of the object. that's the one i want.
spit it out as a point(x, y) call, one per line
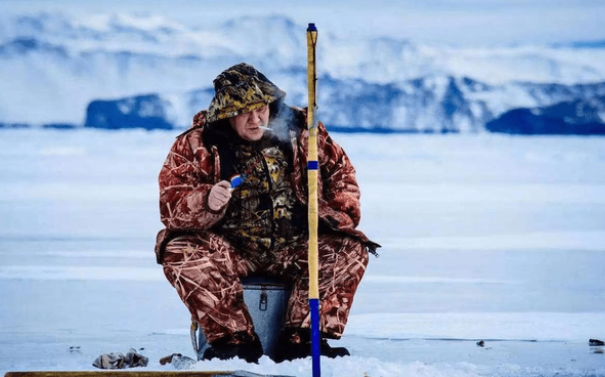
point(215, 234)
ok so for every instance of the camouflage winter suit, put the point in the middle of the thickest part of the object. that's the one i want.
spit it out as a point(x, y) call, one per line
point(204, 252)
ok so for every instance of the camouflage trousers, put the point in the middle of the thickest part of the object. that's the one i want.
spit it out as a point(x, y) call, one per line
point(206, 269)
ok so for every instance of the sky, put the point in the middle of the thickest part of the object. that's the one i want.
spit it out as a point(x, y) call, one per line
point(453, 22)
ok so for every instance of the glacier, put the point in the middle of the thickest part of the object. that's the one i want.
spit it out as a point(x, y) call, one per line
point(56, 66)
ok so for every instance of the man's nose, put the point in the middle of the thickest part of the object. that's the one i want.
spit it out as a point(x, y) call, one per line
point(255, 116)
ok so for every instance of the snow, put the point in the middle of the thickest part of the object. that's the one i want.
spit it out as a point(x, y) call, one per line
point(485, 237)
point(578, 327)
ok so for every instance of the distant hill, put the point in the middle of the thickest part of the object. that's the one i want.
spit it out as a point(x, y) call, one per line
point(579, 117)
point(59, 70)
point(435, 104)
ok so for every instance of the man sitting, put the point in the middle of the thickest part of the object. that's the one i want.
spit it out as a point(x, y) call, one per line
point(215, 235)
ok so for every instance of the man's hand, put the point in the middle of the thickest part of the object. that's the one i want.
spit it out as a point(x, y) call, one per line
point(219, 195)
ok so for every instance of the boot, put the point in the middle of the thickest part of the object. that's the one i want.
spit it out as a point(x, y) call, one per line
point(296, 344)
point(240, 344)
point(333, 352)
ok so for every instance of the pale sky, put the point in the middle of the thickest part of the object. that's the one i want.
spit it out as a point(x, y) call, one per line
point(461, 22)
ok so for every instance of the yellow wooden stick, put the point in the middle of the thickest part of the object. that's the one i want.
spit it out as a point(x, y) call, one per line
point(312, 165)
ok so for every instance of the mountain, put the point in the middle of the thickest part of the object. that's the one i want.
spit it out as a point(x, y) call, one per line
point(579, 117)
point(581, 44)
point(55, 66)
point(136, 112)
point(431, 104)
point(149, 111)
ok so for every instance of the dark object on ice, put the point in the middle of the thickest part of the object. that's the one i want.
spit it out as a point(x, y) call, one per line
point(117, 360)
point(14, 125)
point(167, 359)
point(158, 373)
point(481, 343)
point(60, 126)
point(599, 350)
point(296, 344)
point(596, 343)
point(178, 361)
point(74, 349)
point(240, 345)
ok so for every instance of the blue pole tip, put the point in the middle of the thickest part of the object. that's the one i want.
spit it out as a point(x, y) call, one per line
point(315, 337)
point(236, 180)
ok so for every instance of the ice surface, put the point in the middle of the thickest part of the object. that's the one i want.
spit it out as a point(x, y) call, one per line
point(489, 237)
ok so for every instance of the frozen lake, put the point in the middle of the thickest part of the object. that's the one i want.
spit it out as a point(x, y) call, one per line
point(484, 237)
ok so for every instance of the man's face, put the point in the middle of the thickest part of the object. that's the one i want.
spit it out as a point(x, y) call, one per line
point(247, 125)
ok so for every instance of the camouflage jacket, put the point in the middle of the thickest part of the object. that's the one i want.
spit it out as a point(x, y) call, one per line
point(191, 169)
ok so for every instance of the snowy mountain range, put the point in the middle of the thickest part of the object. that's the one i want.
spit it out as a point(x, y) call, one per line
point(121, 70)
point(430, 104)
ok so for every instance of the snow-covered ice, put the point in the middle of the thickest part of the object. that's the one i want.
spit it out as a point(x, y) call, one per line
point(485, 237)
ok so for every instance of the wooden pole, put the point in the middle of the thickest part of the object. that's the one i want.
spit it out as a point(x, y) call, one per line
point(312, 175)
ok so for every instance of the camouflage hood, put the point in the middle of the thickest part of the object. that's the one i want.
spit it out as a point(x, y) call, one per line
point(239, 90)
